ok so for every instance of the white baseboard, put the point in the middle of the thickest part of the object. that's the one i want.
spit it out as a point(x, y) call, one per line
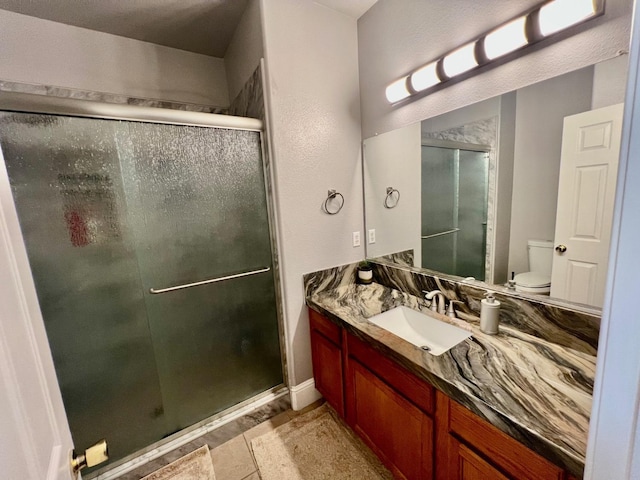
point(304, 394)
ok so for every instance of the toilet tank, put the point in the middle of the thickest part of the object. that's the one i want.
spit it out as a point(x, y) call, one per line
point(540, 254)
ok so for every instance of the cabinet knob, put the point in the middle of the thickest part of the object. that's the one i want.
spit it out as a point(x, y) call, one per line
point(561, 248)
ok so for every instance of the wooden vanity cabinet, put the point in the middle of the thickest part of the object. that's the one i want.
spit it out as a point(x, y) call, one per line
point(326, 356)
point(468, 448)
point(418, 433)
point(390, 409)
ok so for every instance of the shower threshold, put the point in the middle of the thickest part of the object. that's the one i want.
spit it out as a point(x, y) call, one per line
point(187, 435)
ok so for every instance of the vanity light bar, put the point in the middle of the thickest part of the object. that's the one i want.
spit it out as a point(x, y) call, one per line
point(461, 60)
point(545, 20)
point(397, 90)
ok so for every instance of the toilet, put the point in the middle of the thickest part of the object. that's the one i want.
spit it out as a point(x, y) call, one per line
point(538, 279)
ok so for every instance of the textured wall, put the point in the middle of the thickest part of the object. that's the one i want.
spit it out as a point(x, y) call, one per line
point(393, 160)
point(49, 53)
point(609, 82)
point(397, 36)
point(540, 113)
point(245, 49)
point(313, 104)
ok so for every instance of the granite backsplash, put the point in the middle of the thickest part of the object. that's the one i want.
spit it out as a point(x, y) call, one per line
point(574, 328)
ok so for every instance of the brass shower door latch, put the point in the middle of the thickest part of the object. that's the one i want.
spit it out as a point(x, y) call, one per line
point(94, 455)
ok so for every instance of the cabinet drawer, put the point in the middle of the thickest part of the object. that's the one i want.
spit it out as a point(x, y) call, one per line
point(414, 389)
point(505, 452)
point(326, 327)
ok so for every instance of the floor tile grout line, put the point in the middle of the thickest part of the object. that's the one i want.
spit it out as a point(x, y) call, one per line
point(248, 444)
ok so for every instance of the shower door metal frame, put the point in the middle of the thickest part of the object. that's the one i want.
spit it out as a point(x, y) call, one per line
point(42, 104)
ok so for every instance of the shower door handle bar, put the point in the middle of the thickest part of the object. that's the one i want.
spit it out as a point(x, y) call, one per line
point(205, 282)
point(439, 234)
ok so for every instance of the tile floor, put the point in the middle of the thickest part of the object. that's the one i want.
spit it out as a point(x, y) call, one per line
point(230, 444)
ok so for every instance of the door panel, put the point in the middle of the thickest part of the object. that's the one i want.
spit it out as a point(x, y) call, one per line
point(198, 203)
point(472, 466)
point(327, 370)
point(399, 433)
point(35, 441)
point(588, 175)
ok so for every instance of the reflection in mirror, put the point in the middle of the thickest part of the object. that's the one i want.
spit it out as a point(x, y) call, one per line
point(517, 185)
point(454, 187)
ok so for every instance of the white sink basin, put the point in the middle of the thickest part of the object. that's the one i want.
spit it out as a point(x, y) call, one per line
point(423, 331)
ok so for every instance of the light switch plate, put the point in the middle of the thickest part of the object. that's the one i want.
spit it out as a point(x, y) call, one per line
point(372, 235)
point(356, 239)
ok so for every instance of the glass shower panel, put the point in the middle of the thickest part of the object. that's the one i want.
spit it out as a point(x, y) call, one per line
point(439, 178)
point(454, 210)
point(439, 175)
point(66, 183)
point(198, 205)
point(472, 214)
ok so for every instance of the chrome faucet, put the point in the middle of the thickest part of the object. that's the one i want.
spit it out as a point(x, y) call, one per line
point(436, 295)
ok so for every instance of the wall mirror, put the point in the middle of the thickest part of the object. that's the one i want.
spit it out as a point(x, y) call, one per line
point(520, 185)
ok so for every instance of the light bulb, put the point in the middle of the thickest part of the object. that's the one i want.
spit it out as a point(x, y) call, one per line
point(424, 77)
point(560, 14)
point(506, 39)
point(397, 90)
point(460, 60)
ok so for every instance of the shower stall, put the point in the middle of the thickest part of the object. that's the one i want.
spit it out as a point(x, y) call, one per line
point(151, 249)
point(455, 179)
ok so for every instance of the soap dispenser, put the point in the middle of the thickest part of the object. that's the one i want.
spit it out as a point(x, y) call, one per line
point(489, 314)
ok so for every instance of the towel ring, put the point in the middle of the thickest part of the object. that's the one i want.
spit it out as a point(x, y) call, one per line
point(388, 200)
point(331, 194)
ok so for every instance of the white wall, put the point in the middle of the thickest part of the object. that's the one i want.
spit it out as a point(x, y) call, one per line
point(609, 82)
point(49, 53)
point(311, 55)
point(397, 36)
point(394, 160)
point(245, 49)
point(540, 112)
point(463, 116)
point(611, 450)
point(504, 188)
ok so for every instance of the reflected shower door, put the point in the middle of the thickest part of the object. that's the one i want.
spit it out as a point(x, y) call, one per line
point(439, 208)
point(111, 209)
point(454, 210)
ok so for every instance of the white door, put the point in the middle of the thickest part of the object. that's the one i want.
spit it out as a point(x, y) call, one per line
point(586, 193)
point(35, 441)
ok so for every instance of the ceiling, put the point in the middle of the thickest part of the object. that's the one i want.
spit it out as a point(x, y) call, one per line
point(200, 26)
point(352, 8)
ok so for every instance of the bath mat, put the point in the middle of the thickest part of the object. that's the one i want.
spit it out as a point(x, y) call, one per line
point(315, 446)
point(197, 465)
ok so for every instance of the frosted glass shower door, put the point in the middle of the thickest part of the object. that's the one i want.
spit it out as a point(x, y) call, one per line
point(454, 210)
point(66, 182)
point(112, 209)
point(439, 175)
point(198, 207)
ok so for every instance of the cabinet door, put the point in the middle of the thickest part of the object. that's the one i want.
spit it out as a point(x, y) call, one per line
point(327, 370)
point(510, 456)
point(470, 466)
point(396, 430)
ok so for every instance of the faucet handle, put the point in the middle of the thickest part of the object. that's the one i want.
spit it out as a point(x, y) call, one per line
point(451, 310)
point(430, 294)
point(433, 304)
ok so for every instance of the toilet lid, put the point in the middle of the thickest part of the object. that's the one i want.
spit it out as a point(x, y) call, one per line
point(533, 279)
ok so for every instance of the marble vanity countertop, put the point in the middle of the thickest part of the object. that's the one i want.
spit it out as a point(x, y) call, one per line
point(535, 391)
